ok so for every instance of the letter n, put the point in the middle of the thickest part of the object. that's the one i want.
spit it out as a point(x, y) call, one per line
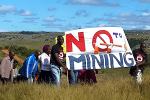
point(79, 43)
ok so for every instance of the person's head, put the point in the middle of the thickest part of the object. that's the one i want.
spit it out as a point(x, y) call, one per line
point(142, 46)
point(37, 53)
point(47, 49)
point(11, 54)
point(60, 40)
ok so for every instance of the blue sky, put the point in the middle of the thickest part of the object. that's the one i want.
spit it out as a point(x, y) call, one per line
point(64, 15)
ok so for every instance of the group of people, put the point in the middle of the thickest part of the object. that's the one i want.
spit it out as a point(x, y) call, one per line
point(44, 67)
point(51, 63)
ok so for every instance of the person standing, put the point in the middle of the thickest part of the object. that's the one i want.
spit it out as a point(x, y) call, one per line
point(44, 59)
point(6, 67)
point(141, 59)
point(30, 67)
point(56, 58)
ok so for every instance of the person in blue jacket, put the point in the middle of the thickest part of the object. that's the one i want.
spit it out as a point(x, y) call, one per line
point(30, 67)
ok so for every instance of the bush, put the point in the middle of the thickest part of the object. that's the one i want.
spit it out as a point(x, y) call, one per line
point(133, 42)
point(22, 51)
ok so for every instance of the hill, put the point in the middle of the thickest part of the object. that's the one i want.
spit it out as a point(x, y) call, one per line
point(113, 84)
point(35, 40)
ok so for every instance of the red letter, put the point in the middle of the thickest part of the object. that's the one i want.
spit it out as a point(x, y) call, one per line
point(71, 39)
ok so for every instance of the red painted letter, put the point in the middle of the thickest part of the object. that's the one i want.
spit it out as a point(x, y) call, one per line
point(71, 39)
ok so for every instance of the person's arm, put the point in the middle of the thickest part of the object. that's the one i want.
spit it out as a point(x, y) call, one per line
point(40, 61)
point(141, 63)
point(29, 63)
point(55, 52)
point(35, 70)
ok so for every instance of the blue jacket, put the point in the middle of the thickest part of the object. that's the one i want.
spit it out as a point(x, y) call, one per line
point(30, 67)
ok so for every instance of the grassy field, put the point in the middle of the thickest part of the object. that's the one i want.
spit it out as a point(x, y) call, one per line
point(113, 84)
point(32, 41)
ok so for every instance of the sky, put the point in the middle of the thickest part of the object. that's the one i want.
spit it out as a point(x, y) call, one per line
point(65, 15)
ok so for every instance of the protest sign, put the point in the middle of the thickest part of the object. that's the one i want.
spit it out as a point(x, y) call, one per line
point(97, 48)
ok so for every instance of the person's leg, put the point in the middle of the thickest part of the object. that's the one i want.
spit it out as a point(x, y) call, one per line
point(43, 76)
point(55, 75)
point(92, 76)
point(47, 76)
point(132, 71)
point(139, 76)
point(73, 76)
point(81, 76)
point(30, 80)
point(141, 67)
point(5, 80)
point(39, 77)
point(76, 72)
point(88, 76)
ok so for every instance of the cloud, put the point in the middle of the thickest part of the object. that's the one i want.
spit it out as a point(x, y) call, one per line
point(125, 20)
point(51, 22)
point(3, 30)
point(61, 26)
point(52, 19)
point(30, 20)
point(51, 9)
point(147, 27)
point(82, 13)
point(71, 26)
point(145, 13)
point(23, 12)
point(93, 2)
point(49, 19)
point(7, 21)
point(84, 2)
point(102, 25)
point(53, 26)
point(144, 1)
point(131, 21)
point(125, 14)
point(5, 9)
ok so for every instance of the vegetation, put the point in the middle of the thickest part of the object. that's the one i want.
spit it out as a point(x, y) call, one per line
point(112, 84)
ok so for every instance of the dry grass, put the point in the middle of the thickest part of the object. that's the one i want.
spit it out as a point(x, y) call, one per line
point(112, 85)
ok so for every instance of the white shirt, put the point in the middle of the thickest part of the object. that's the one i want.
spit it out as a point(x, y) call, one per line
point(45, 61)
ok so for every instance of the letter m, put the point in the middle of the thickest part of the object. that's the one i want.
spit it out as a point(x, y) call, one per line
point(80, 43)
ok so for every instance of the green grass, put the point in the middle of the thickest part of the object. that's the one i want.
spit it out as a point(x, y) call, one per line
point(113, 84)
point(26, 43)
point(33, 41)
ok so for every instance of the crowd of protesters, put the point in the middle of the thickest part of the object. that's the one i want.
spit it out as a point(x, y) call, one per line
point(44, 67)
point(47, 67)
